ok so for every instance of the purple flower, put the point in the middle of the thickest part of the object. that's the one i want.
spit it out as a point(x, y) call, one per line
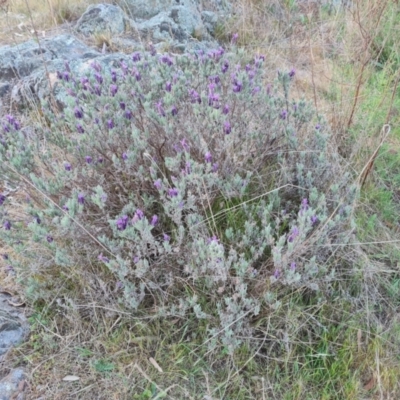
point(88, 159)
point(292, 73)
point(122, 222)
point(17, 126)
point(154, 220)
point(195, 97)
point(283, 114)
point(136, 56)
point(100, 160)
point(78, 112)
point(79, 128)
point(153, 50)
point(173, 192)
point(99, 78)
point(110, 124)
point(66, 76)
point(235, 38)
point(122, 105)
point(2, 199)
point(138, 216)
point(166, 237)
point(237, 86)
point(65, 208)
point(227, 128)
point(314, 220)
point(114, 76)
point(139, 213)
point(96, 66)
point(168, 86)
point(276, 274)
point(187, 169)
point(225, 67)
point(128, 114)
point(214, 167)
point(304, 205)
point(49, 238)
point(38, 220)
point(160, 108)
point(184, 145)
point(124, 156)
point(259, 60)
point(255, 90)
point(7, 225)
point(84, 81)
point(113, 90)
point(166, 59)
point(137, 75)
point(97, 90)
point(211, 88)
point(81, 198)
point(174, 111)
point(103, 258)
point(158, 184)
point(124, 67)
point(213, 100)
point(225, 110)
point(295, 232)
point(213, 239)
point(208, 157)
point(293, 266)
point(318, 127)
point(215, 79)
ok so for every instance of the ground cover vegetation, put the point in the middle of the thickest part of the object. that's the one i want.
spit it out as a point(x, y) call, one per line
point(217, 225)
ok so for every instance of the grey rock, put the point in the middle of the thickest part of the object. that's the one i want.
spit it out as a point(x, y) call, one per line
point(26, 64)
point(21, 60)
point(13, 327)
point(146, 9)
point(210, 20)
point(10, 385)
point(11, 332)
point(28, 72)
point(102, 18)
point(161, 28)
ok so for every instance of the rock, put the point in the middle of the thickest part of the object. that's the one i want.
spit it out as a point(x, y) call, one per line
point(21, 60)
point(11, 331)
point(161, 28)
point(210, 20)
point(102, 18)
point(28, 72)
point(26, 65)
point(146, 9)
point(12, 385)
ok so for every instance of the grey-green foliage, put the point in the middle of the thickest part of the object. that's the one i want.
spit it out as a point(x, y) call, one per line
point(131, 172)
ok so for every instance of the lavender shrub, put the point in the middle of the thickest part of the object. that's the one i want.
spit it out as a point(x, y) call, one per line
point(140, 171)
